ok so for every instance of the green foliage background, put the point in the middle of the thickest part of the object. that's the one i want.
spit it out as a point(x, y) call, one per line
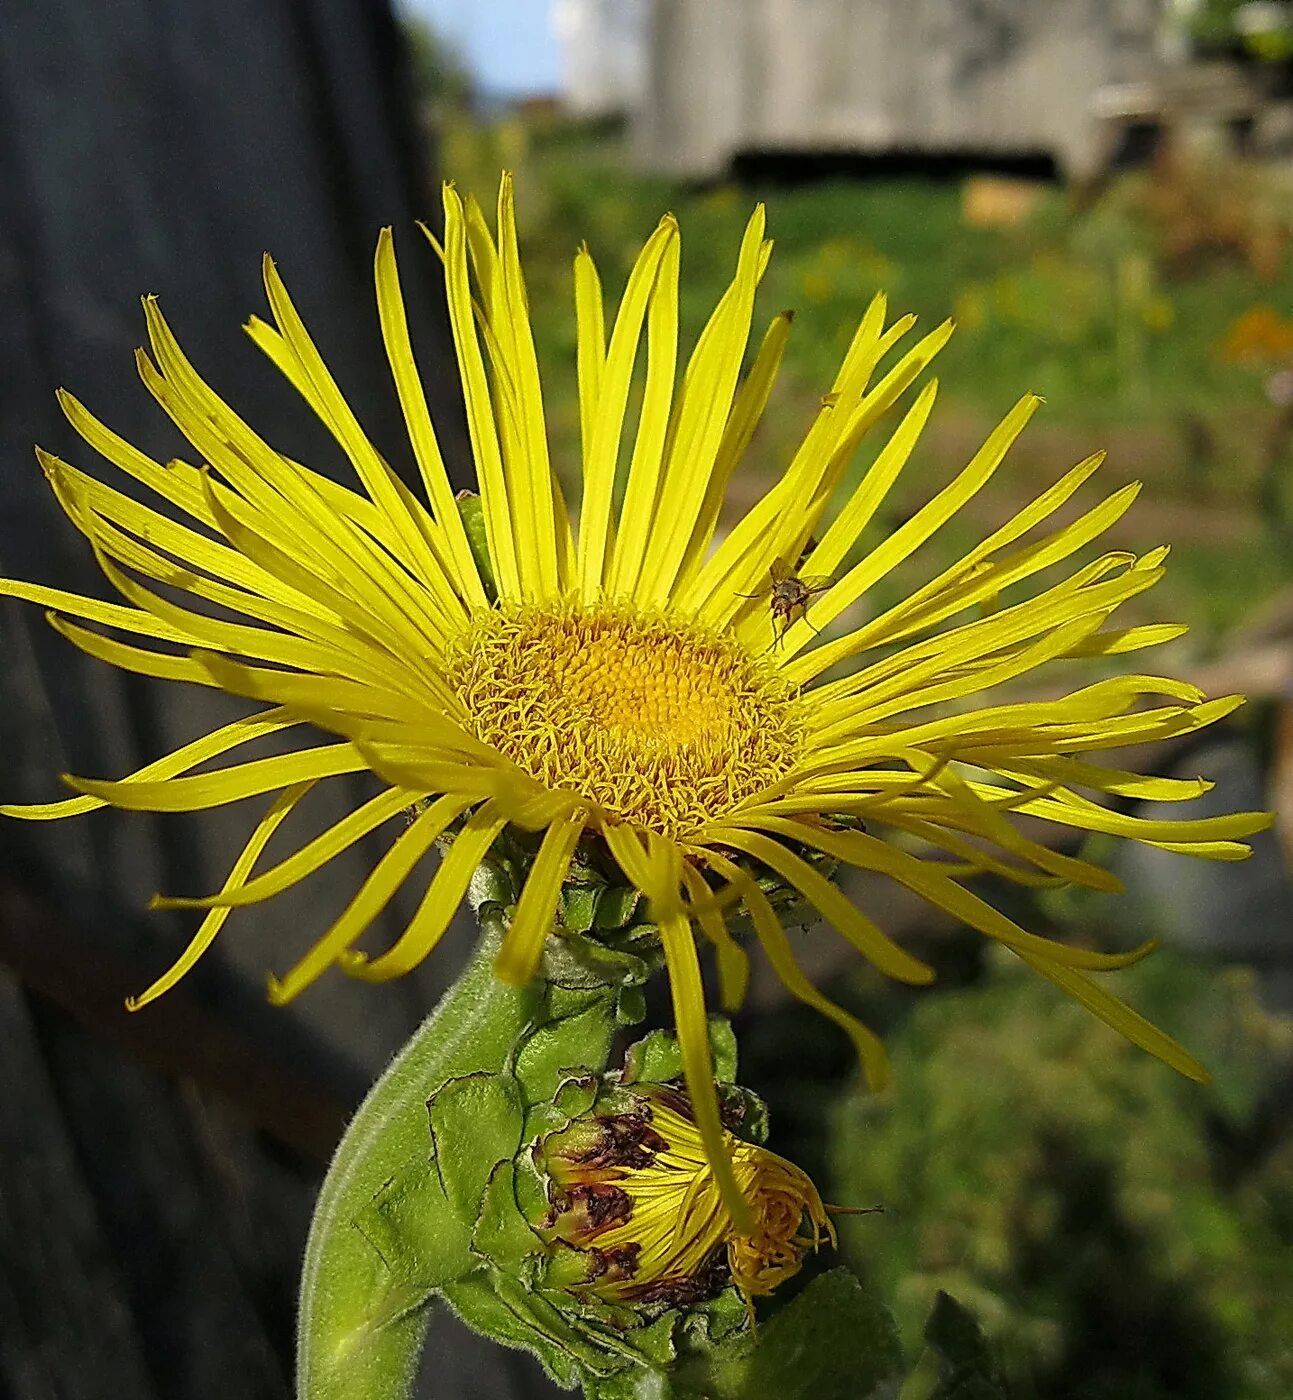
point(1117, 1230)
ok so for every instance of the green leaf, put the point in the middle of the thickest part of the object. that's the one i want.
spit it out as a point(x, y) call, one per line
point(476, 1122)
point(967, 1369)
point(617, 907)
point(630, 1006)
point(581, 1038)
point(420, 1238)
point(511, 1312)
point(722, 1044)
point(476, 1301)
point(573, 960)
point(579, 907)
point(656, 1059)
point(502, 1233)
point(834, 1342)
point(575, 1096)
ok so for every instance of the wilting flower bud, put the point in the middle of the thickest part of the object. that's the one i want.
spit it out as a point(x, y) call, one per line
point(632, 1192)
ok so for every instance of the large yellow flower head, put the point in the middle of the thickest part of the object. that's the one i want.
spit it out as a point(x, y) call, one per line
point(635, 676)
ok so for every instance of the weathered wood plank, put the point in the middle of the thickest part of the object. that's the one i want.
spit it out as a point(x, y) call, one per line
point(66, 1332)
point(167, 1227)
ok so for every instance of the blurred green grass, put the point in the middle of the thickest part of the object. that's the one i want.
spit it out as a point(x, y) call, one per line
point(1083, 302)
point(1119, 1231)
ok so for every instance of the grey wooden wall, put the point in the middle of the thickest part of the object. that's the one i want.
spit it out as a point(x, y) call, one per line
point(156, 1170)
point(997, 77)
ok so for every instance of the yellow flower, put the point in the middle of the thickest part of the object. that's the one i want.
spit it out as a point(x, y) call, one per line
point(635, 1193)
point(645, 679)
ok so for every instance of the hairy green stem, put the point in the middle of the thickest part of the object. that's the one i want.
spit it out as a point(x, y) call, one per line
point(360, 1329)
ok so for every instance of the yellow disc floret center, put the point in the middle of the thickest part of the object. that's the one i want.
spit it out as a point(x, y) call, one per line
point(648, 718)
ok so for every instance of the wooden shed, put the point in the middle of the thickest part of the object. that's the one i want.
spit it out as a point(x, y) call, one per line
point(978, 78)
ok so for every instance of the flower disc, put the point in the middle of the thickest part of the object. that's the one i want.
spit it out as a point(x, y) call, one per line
point(649, 720)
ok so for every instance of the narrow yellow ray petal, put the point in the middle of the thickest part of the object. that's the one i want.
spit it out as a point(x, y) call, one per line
point(272, 343)
point(1093, 717)
point(383, 487)
point(747, 412)
point(166, 482)
point(139, 660)
point(870, 493)
point(910, 535)
point(831, 903)
point(642, 496)
point(250, 465)
point(973, 858)
point(209, 746)
point(1091, 817)
point(106, 614)
point(534, 467)
point(480, 414)
point(430, 768)
point(253, 464)
point(215, 557)
point(565, 537)
point(306, 860)
point(646, 874)
point(987, 579)
point(978, 641)
point(1121, 1018)
point(733, 961)
point(1127, 639)
point(417, 418)
point(792, 535)
point(314, 695)
point(522, 950)
point(1116, 781)
point(129, 550)
point(376, 605)
point(203, 790)
point(1145, 727)
point(713, 584)
point(260, 643)
point(987, 823)
point(328, 527)
point(703, 409)
point(304, 515)
point(869, 853)
point(776, 947)
point(215, 920)
point(612, 400)
point(692, 1024)
point(871, 709)
point(780, 525)
point(386, 877)
point(590, 327)
point(443, 897)
point(976, 578)
point(360, 602)
point(494, 324)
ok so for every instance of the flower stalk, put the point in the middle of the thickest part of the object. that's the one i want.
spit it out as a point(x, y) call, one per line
point(362, 1322)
